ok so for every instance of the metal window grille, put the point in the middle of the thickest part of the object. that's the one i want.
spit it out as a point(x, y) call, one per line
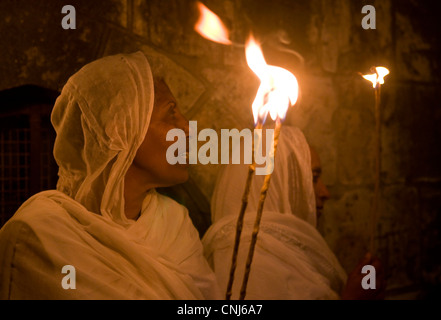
point(27, 165)
point(14, 170)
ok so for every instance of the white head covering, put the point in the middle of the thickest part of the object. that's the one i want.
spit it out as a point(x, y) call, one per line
point(291, 259)
point(101, 118)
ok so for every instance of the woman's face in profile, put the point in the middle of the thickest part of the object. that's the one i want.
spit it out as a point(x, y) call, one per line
point(320, 190)
point(151, 155)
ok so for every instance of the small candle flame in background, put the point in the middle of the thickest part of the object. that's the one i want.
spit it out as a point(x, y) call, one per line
point(377, 78)
point(278, 88)
point(210, 26)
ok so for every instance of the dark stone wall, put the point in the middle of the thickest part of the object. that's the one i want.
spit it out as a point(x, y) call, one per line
point(215, 87)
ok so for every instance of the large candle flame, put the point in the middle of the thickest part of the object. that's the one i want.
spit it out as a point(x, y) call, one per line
point(377, 78)
point(210, 26)
point(278, 87)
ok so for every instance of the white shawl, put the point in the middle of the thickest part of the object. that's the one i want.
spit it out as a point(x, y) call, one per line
point(101, 118)
point(291, 259)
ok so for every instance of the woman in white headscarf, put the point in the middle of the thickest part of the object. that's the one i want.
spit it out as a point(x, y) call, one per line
point(291, 259)
point(124, 240)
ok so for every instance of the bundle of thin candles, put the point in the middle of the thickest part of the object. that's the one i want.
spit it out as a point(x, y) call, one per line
point(240, 218)
point(263, 193)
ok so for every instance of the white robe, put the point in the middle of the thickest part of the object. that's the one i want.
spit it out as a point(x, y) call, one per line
point(291, 258)
point(101, 118)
